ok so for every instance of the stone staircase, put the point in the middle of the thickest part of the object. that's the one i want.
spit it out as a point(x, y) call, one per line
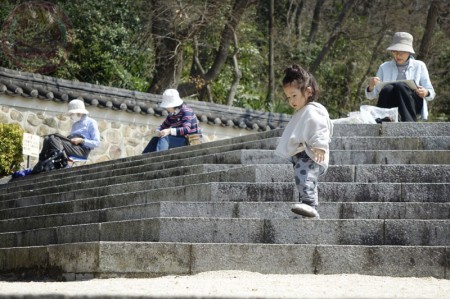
point(225, 205)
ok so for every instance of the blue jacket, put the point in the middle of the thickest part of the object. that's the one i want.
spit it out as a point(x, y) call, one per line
point(88, 128)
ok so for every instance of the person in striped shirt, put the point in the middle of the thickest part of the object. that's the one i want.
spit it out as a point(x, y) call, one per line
point(178, 125)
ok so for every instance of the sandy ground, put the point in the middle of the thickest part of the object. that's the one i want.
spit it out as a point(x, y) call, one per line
point(240, 284)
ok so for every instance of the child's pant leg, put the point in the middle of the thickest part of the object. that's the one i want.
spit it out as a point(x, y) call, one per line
point(306, 173)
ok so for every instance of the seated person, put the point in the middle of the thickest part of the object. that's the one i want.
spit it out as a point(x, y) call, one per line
point(83, 137)
point(177, 127)
point(403, 66)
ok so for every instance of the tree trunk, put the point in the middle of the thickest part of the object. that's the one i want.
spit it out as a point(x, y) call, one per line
point(168, 48)
point(298, 23)
point(334, 35)
point(271, 87)
point(315, 21)
point(238, 10)
point(433, 13)
point(237, 74)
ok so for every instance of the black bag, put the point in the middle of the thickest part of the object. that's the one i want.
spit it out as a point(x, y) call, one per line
point(57, 160)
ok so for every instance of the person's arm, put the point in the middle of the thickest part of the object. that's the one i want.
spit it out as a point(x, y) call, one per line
point(318, 134)
point(371, 91)
point(185, 128)
point(425, 83)
point(92, 139)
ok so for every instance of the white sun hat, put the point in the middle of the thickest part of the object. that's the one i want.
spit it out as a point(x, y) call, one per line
point(77, 106)
point(171, 99)
point(402, 41)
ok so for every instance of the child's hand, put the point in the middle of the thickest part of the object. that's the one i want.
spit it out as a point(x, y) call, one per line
point(319, 155)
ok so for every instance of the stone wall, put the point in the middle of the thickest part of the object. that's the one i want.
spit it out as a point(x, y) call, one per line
point(122, 134)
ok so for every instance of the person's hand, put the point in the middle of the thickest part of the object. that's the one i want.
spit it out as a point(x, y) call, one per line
point(76, 141)
point(164, 133)
point(372, 82)
point(421, 92)
point(319, 155)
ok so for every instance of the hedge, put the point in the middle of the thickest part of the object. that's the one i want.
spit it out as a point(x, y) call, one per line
point(10, 148)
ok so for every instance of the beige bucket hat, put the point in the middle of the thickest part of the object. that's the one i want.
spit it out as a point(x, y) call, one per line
point(402, 41)
point(77, 106)
point(171, 99)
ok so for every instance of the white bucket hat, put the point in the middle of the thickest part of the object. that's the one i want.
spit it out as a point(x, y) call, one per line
point(77, 106)
point(171, 99)
point(402, 41)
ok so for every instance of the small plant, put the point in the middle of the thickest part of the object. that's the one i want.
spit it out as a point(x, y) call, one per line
point(10, 148)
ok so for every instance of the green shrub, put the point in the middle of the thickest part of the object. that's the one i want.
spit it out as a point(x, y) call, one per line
point(10, 148)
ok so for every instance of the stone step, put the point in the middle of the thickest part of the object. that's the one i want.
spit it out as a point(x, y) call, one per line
point(414, 129)
point(267, 140)
point(404, 232)
point(109, 178)
point(344, 173)
point(357, 157)
point(152, 180)
point(141, 163)
point(400, 129)
point(150, 259)
point(390, 143)
point(380, 173)
point(226, 191)
point(67, 176)
point(264, 210)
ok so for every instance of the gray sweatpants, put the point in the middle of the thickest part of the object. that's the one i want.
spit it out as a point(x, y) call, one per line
point(306, 173)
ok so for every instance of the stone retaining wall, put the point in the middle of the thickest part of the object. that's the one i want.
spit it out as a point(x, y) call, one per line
point(122, 134)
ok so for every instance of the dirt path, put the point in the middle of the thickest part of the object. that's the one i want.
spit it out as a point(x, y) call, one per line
point(240, 284)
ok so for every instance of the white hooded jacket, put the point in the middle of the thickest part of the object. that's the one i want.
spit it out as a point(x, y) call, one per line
point(309, 128)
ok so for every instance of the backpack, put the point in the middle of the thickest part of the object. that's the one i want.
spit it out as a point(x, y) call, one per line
point(57, 160)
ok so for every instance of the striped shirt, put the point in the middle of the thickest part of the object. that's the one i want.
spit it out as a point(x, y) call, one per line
point(183, 120)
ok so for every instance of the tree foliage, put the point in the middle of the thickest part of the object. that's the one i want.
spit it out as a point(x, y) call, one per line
point(191, 45)
point(10, 148)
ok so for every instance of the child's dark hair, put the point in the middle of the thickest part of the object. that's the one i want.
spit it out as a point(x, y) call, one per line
point(302, 79)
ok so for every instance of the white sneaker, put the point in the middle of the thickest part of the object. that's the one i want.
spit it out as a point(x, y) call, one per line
point(305, 210)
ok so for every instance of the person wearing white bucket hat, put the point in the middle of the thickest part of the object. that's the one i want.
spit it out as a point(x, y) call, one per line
point(403, 66)
point(84, 136)
point(180, 125)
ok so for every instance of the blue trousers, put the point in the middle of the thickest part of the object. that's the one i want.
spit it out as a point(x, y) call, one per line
point(158, 144)
point(306, 173)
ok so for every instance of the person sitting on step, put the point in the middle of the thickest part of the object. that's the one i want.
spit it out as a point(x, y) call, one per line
point(84, 136)
point(403, 66)
point(180, 125)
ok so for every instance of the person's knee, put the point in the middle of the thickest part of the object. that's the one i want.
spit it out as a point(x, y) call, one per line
point(388, 89)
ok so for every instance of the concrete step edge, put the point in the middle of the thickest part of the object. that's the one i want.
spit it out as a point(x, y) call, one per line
point(406, 192)
point(105, 259)
point(264, 210)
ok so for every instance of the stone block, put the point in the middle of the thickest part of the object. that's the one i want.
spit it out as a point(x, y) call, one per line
point(423, 192)
point(412, 232)
point(416, 129)
point(359, 192)
point(332, 232)
point(75, 258)
point(23, 259)
point(77, 233)
point(261, 258)
point(396, 261)
point(144, 259)
point(210, 230)
point(403, 173)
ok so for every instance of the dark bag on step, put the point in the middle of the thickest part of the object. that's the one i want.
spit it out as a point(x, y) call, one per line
point(57, 160)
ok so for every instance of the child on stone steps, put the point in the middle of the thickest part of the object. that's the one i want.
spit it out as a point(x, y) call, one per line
point(305, 140)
